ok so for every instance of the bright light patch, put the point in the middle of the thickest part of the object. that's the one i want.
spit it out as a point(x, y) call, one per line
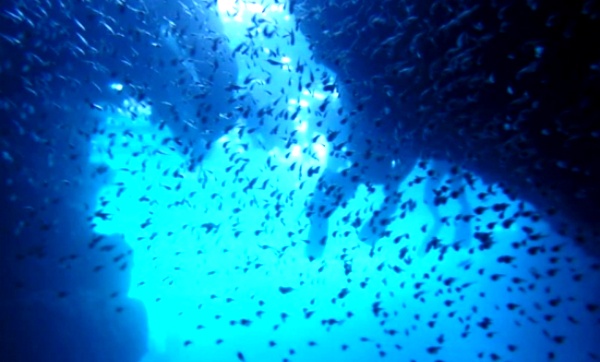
point(116, 86)
point(285, 60)
point(296, 151)
point(277, 8)
point(136, 108)
point(227, 6)
point(319, 96)
point(302, 127)
point(158, 223)
point(242, 11)
point(304, 103)
point(320, 150)
point(255, 8)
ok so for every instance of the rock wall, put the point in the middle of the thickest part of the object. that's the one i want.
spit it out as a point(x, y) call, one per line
point(509, 89)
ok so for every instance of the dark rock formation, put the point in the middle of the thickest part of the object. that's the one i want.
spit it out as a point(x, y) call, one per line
point(510, 89)
point(72, 328)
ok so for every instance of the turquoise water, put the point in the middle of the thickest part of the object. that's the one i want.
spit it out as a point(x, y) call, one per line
point(216, 230)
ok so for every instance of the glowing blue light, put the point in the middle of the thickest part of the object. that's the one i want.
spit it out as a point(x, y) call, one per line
point(116, 86)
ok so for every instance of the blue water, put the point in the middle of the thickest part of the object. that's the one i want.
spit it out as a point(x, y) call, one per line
point(215, 251)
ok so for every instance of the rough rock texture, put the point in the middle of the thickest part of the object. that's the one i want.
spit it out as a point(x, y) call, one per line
point(75, 328)
point(510, 89)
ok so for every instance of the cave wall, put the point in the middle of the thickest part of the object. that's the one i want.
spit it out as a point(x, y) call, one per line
point(509, 89)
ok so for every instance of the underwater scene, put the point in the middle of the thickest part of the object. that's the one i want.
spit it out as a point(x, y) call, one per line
point(299, 180)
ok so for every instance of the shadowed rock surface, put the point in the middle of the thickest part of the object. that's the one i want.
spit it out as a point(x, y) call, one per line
point(510, 89)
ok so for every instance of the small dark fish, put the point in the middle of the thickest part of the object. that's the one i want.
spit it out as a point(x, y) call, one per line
point(274, 62)
point(285, 290)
